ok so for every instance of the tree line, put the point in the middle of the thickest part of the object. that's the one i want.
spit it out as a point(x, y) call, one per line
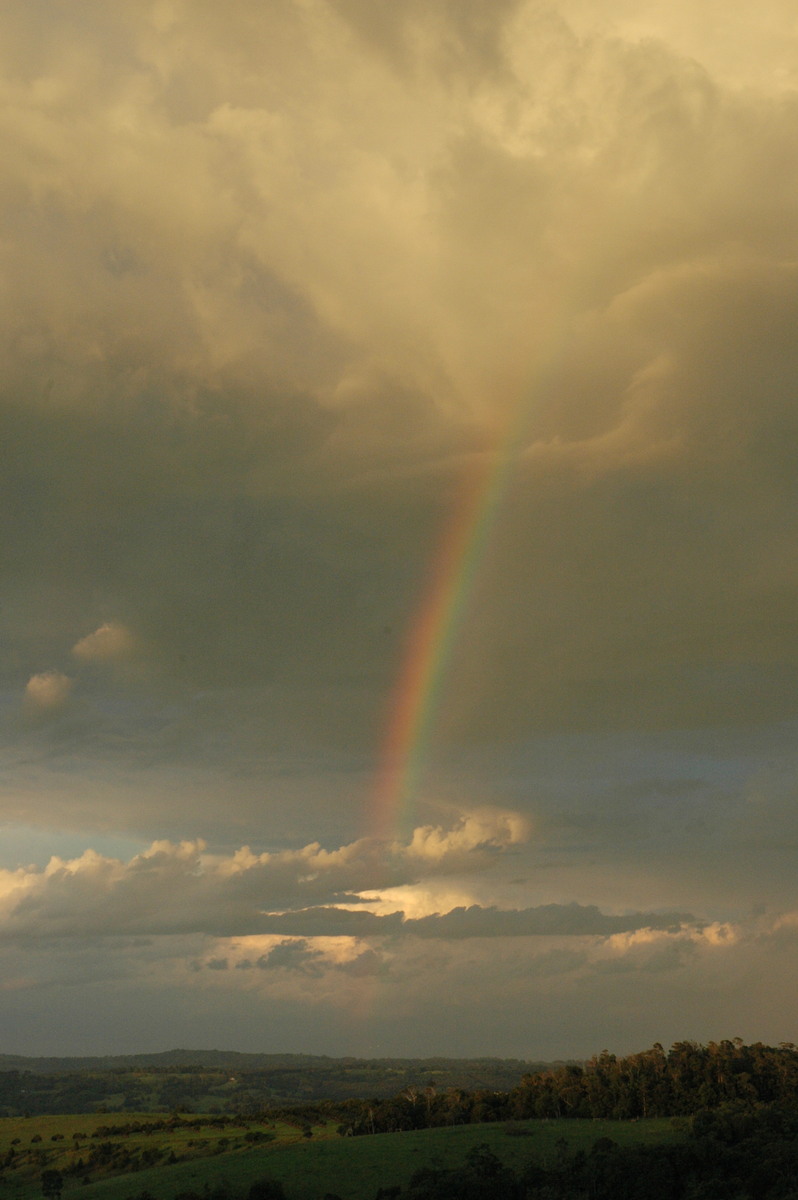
point(243, 1088)
point(731, 1153)
point(653, 1083)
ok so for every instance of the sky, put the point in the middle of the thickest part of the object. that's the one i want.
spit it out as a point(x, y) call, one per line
point(399, 446)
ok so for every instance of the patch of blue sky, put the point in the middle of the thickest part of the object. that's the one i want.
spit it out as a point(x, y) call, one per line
point(23, 845)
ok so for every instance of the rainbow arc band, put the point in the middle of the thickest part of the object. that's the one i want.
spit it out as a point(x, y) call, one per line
point(434, 633)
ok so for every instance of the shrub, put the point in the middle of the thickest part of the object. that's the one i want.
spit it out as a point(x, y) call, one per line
point(266, 1189)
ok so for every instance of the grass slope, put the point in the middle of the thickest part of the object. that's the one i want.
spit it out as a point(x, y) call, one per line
point(62, 1142)
point(354, 1168)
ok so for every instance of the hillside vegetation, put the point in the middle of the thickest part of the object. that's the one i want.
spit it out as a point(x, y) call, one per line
point(128, 1166)
point(687, 1078)
point(225, 1082)
point(694, 1123)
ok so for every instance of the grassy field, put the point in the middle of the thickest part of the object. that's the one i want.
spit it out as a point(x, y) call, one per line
point(354, 1168)
point(97, 1150)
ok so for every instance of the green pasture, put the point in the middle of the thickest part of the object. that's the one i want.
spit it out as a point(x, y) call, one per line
point(49, 1143)
point(354, 1168)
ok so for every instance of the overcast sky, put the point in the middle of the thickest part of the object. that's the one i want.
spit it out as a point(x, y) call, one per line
point(399, 440)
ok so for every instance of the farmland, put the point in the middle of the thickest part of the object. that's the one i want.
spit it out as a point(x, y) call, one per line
point(120, 1162)
point(226, 1082)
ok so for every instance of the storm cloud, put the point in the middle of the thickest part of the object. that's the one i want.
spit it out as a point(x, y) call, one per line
point(292, 297)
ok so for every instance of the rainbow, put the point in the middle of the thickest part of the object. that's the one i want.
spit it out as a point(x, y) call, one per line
point(459, 554)
point(433, 637)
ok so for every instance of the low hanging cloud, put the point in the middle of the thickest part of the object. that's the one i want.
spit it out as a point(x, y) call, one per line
point(577, 939)
point(304, 957)
point(546, 920)
point(172, 889)
point(484, 829)
point(47, 693)
point(109, 643)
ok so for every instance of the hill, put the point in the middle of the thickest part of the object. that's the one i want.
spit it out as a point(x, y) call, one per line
point(234, 1060)
point(227, 1081)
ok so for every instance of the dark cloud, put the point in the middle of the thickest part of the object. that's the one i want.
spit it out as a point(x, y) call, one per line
point(546, 920)
point(289, 295)
point(292, 956)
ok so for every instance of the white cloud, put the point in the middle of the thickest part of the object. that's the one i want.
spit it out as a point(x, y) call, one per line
point(483, 830)
point(109, 643)
point(47, 692)
point(171, 888)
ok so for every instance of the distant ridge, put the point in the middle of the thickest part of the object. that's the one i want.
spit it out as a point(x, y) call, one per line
point(234, 1060)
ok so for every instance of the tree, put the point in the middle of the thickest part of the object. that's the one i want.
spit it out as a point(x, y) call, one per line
point(52, 1183)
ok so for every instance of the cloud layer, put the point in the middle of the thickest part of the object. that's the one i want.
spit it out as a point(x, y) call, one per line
point(173, 889)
